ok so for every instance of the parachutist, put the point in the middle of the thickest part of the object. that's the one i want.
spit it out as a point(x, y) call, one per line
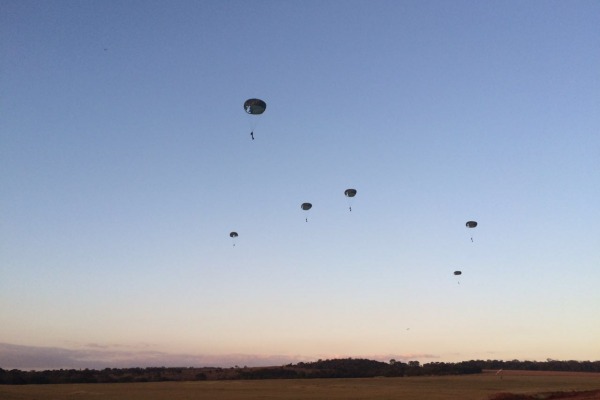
point(252, 135)
point(306, 219)
point(350, 209)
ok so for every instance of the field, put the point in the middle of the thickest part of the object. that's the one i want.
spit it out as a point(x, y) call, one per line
point(466, 387)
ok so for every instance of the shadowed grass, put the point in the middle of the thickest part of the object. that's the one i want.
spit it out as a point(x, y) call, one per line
point(466, 387)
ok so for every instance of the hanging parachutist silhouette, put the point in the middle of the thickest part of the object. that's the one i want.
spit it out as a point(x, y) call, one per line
point(350, 208)
point(471, 240)
point(306, 219)
point(252, 135)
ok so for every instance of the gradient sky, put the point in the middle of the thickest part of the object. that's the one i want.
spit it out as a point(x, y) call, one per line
point(126, 160)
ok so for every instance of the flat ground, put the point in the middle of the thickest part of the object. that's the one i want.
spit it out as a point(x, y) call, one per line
point(467, 387)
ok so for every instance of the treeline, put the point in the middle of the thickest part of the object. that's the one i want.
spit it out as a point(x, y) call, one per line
point(357, 368)
point(362, 368)
point(107, 375)
point(548, 365)
point(335, 368)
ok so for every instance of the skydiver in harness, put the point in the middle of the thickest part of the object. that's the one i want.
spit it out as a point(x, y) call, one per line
point(252, 135)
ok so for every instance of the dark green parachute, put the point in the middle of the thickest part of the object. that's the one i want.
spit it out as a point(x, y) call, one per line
point(306, 206)
point(458, 273)
point(255, 106)
point(471, 225)
point(233, 235)
point(350, 193)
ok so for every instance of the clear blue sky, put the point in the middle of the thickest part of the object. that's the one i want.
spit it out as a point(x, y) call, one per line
point(126, 160)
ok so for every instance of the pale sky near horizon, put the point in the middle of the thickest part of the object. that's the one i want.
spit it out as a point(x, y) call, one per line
point(126, 160)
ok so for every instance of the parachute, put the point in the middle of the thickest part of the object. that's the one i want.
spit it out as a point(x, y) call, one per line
point(233, 235)
point(471, 225)
point(306, 207)
point(254, 107)
point(350, 193)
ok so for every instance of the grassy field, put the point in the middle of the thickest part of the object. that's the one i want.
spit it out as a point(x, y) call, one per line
point(466, 387)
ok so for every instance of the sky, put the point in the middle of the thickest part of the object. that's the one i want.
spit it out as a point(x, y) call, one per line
point(126, 161)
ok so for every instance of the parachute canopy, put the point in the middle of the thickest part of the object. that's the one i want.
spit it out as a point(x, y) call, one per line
point(471, 224)
point(306, 206)
point(233, 235)
point(350, 192)
point(255, 106)
point(457, 272)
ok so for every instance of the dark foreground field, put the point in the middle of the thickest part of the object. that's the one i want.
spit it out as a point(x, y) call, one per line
point(466, 387)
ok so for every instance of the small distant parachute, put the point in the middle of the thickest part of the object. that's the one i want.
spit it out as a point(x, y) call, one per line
point(458, 273)
point(350, 193)
point(471, 225)
point(254, 107)
point(306, 207)
point(233, 235)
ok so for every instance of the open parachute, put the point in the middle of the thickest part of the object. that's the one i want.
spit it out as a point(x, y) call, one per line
point(471, 225)
point(306, 207)
point(458, 273)
point(233, 235)
point(350, 193)
point(254, 107)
